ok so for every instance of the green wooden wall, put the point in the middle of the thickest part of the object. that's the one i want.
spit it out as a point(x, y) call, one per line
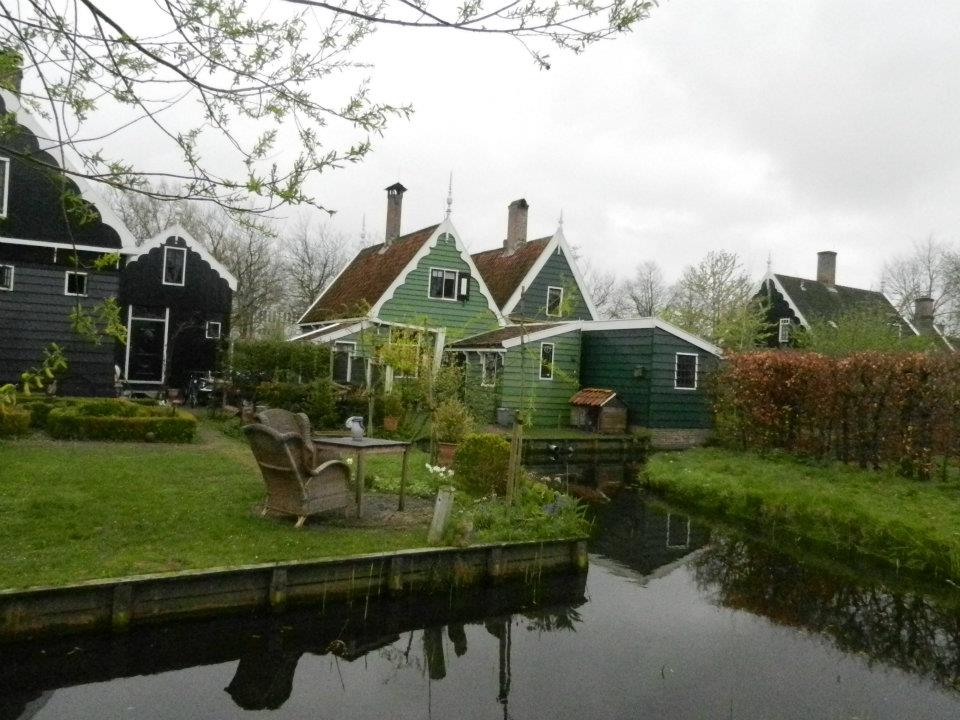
point(481, 400)
point(639, 365)
point(547, 401)
point(555, 272)
point(411, 304)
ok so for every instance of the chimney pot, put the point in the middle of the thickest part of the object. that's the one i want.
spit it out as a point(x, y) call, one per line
point(394, 205)
point(516, 225)
point(827, 267)
point(923, 314)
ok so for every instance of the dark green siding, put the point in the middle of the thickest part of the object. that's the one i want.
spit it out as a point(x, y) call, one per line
point(556, 272)
point(546, 401)
point(639, 366)
point(411, 304)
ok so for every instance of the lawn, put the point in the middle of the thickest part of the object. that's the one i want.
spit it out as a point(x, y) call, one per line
point(73, 511)
point(905, 523)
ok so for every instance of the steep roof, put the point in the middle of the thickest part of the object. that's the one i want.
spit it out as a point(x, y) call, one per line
point(812, 300)
point(504, 272)
point(364, 281)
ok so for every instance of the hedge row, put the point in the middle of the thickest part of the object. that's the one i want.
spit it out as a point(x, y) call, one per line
point(13, 421)
point(119, 420)
point(870, 408)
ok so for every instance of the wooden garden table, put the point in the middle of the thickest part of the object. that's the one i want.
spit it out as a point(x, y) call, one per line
point(361, 448)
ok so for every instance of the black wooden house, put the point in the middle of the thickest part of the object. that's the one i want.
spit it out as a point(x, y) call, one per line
point(176, 298)
point(47, 256)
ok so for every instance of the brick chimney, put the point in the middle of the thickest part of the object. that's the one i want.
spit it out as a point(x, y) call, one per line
point(394, 204)
point(516, 225)
point(827, 267)
point(923, 315)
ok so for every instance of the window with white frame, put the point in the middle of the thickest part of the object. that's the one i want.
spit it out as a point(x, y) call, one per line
point(6, 277)
point(75, 283)
point(5, 180)
point(783, 336)
point(443, 284)
point(546, 361)
point(213, 330)
point(554, 301)
point(685, 371)
point(678, 531)
point(174, 265)
point(342, 361)
point(492, 364)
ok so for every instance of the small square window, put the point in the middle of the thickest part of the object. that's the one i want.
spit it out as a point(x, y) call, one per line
point(75, 283)
point(5, 181)
point(213, 330)
point(174, 265)
point(6, 277)
point(685, 372)
point(546, 361)
point(443, 284)
point(784, 333)
point(554, 301)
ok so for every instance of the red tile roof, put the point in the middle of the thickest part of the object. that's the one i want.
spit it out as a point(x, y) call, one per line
point(366, 278)
point(503, 273)
point(593, 397)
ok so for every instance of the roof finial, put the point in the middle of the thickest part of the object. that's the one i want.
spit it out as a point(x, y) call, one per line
point(561, 219)
point(363, 230)
point(769, 262)
point(450, 195)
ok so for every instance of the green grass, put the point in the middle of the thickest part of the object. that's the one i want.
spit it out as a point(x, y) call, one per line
point(72, 511)
point(900, 522)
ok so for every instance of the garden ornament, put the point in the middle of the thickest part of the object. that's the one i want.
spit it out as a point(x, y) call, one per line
point(355, 425)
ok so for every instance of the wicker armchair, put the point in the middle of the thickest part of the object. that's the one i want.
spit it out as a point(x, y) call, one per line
point(295, 487)
point(285, 421)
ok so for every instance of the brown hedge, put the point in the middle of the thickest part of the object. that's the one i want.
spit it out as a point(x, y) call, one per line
point(870, 408)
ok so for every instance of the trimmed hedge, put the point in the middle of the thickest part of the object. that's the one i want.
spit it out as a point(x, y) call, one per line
point(14, 421)
point(480, 464)
point(120, 420)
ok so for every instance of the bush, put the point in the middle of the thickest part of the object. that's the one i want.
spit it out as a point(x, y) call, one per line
point(452, 421)
point(14, 421)
point(129, 422)
point(277, 361)
point(480, 464)
point(317, 399)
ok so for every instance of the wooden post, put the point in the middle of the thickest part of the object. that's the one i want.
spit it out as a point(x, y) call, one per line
point(441, 515)
point(516, 443)
point(403, 475)
point(360, 473)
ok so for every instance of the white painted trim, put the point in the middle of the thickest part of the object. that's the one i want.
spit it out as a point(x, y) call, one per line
point(684, 545)
point(88, 189)
point(166, 337)
point(559, 329)
point(126, 364)
point(783, 330)
point(696, 370)
point(66, 283)
point(771, 277)
point(651, 322)
point(332, 336)
point(126, 361)
point(219, 330)
point(13, 271)
point(55, 245)
point(445, 227)
point(183, 268)
point(558, 241)
point(553, 355)
point(456, 283)
point(6, 186)
point(177, 230)
point(458, 349)
point(350, 355)
point(546, 309)
point(483, 367)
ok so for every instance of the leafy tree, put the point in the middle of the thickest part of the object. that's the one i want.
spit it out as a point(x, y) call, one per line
point(208, 77)
point(860, 329)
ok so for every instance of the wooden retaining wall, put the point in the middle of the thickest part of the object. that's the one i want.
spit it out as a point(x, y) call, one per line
point(117, 604)
point(621, 449)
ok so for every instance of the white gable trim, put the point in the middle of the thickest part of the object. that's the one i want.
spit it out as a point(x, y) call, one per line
point(445, 227)
point(557, 241)
point(651, 322)
point(68, 245)
point(332, 335)
point(88, 191)
point(786, 296)
point(545, 334)
point(178, 230)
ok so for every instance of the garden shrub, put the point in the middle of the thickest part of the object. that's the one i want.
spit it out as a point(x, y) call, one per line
point(14, 421)
point(277, 361)
point(452, 421)
point(130, 422)
point(317, 399)
point(480, 464)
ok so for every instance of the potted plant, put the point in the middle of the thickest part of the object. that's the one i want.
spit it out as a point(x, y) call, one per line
point(451, 423)
point(392, 411)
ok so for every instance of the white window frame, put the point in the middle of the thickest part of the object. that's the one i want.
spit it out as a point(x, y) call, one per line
point(675, 546)
point(350, 355)
point(166, 336)
point(8, 288)
point(783, 332)
point(183, 268)
point(66, 283)
point(485, 379)
point(696, 371)
point(6, 186)
point(456, 284)
point(210, 324)
point(553, 359)
point(559, 312)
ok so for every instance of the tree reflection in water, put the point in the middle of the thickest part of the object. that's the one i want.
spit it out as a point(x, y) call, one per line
point(906, 629)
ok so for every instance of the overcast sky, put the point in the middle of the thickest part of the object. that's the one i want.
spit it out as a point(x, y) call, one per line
point(765, 128)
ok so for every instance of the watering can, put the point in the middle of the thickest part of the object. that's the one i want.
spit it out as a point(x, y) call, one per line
point(355, 425)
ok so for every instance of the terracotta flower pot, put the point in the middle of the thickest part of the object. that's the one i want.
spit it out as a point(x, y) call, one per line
point(445, 451)
point(390, 423)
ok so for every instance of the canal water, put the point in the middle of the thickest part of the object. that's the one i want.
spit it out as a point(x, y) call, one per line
point(673, 621)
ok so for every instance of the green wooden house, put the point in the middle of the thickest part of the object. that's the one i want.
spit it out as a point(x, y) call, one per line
point(655, 368)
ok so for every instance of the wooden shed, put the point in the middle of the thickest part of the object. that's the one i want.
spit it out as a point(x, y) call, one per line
point(599, 410)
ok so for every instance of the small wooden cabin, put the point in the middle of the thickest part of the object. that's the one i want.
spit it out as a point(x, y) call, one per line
point(598, 410)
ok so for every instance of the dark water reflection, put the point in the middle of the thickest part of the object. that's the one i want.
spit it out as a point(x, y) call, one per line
point(674, 621)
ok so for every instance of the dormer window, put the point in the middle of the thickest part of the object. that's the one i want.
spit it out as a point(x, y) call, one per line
point(784, 332)
point(174, 265)
point(6, 277)
point(5, 180)
point(75, 283)
point(554, 301)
